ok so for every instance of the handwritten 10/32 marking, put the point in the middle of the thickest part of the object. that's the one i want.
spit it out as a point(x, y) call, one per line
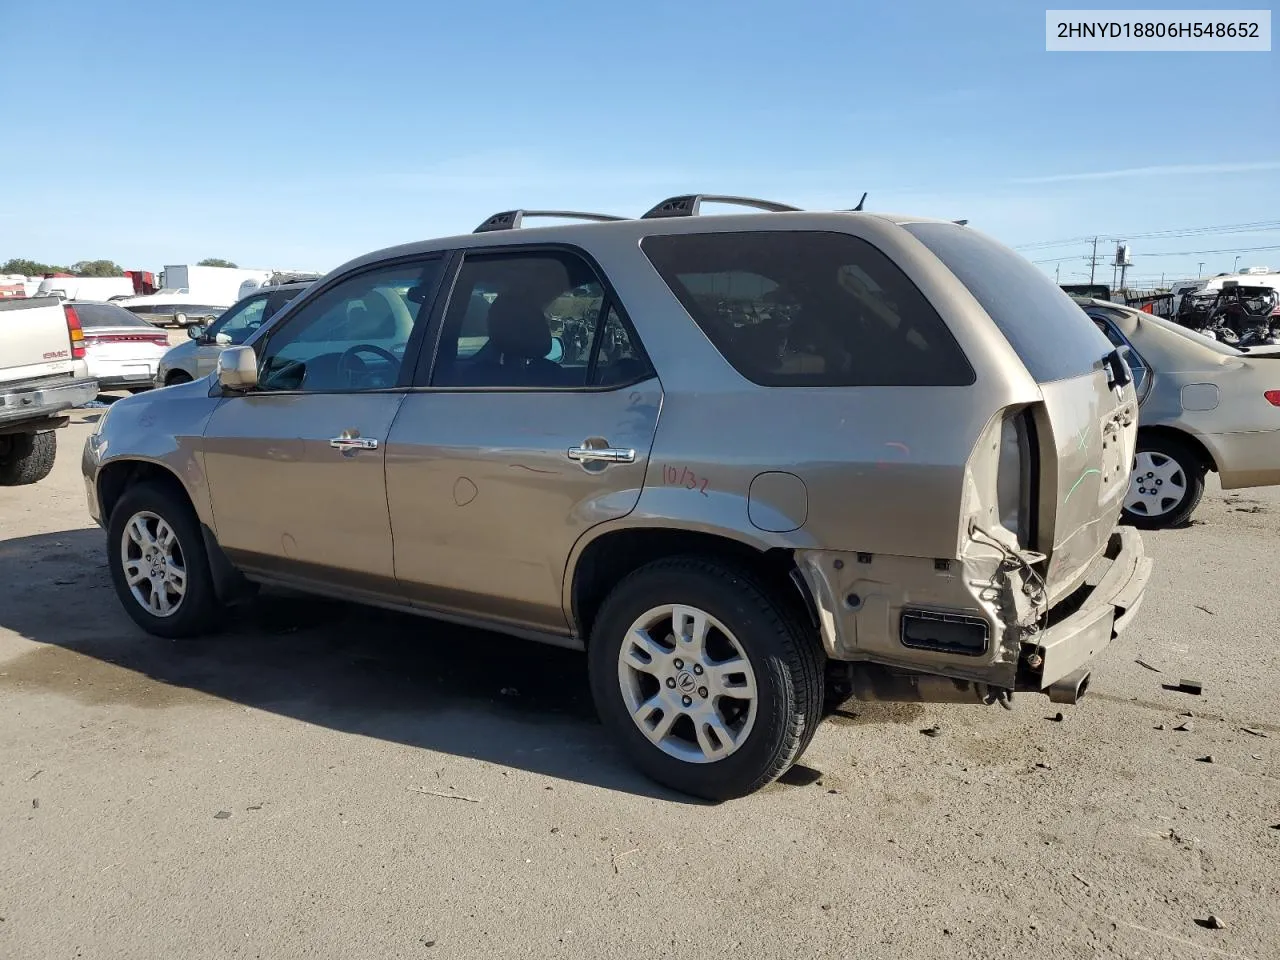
point(673, 476)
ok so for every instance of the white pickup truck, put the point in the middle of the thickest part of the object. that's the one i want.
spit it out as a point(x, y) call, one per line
point(42, 376)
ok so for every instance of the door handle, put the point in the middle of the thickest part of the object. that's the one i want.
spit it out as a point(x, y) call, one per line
point(602, 454)
point(348, 442)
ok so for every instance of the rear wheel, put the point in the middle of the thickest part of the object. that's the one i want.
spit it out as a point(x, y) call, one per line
point(710, 685)
point(159, 565)
point(27, 457)
point(1166, 485)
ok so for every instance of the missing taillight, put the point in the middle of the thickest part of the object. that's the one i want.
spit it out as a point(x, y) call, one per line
point(1015, 477)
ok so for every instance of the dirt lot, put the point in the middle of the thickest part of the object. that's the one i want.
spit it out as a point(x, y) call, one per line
point(275, 792)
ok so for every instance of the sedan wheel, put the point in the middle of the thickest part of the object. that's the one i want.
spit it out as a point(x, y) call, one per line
point(1166, 484)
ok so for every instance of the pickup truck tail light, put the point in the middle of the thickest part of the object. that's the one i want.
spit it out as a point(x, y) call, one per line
point(75, 331)
point(1273, 397)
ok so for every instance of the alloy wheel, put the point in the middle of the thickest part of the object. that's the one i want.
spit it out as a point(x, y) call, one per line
point(154, 567)
point(687, 683)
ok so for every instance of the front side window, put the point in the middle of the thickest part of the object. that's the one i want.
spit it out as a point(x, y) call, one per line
point(809, 309)
point(533, 320)
point(352, 336)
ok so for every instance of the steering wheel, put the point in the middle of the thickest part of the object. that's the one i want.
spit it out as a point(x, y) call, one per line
point(348, 370)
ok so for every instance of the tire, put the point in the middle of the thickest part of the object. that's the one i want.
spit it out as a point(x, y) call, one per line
point(196, 611)
point(1163, 464)
point(177, 377)
point(29, 458)
point(759, 739)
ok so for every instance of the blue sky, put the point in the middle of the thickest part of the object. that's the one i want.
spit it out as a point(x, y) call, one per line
point(292, 134)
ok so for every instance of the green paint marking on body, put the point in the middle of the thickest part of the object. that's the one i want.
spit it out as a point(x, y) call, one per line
point(1078, 482)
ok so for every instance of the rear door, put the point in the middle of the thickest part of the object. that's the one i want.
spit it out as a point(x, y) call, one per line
point(1088, 419)
point(535, 425)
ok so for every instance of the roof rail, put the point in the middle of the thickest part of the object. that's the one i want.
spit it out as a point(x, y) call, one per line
point(511, 219)
point(688, 205)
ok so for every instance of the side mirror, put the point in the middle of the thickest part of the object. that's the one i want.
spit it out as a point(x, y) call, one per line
point(222, 339)
point(238, 368)
point(195, 331)
point(557, 350)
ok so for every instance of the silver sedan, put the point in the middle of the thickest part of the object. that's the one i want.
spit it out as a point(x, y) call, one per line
point(1205, 406)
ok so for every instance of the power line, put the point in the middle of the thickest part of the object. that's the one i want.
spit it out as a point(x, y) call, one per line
point(1256, 226)
point(1193, 253)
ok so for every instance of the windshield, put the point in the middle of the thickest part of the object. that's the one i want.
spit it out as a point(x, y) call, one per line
point(240, 322)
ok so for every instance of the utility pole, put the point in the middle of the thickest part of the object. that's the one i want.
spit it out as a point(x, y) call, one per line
point(1093, 260)
point(1057, 274)
point(1200, 270)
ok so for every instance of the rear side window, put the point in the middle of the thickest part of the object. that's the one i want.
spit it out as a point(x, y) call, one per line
point(1054, 338)
point(809, 309)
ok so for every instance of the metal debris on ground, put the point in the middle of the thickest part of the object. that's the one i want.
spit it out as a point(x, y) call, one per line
point(35, 804)
point(1252, 732)
point(1199, 606)
point(1205, 759)
point(441, 793)
point(1142, 663)
point(1194, 687)
point(1186, 726)
point(934, 731)
point(222, 815)
point(34, 775)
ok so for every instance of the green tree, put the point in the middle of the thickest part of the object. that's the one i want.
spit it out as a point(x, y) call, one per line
point(97, 268)
point(215, 262)
point(30, 268)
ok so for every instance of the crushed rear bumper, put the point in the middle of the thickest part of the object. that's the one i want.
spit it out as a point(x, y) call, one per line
point(1082, 624)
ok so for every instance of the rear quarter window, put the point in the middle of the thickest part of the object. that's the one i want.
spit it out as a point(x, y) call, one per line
point(809, 309)
point(1052, 336)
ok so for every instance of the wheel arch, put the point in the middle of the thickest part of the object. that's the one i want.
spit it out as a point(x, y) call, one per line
point(599, 562)
point(117, 476)
point(1189, 440)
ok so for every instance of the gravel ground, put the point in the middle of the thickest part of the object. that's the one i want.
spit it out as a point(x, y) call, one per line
point(328, 781)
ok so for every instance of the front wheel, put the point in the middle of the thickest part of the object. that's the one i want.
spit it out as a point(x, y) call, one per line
point(711, 685)
point(177, 377)
point(159, 565)
point(1166, 485)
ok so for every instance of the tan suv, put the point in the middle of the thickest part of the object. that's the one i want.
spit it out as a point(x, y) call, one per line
point(746, 462)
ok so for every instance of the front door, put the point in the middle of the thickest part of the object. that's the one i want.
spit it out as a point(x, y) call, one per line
point(295, 467)
point(537, 426)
